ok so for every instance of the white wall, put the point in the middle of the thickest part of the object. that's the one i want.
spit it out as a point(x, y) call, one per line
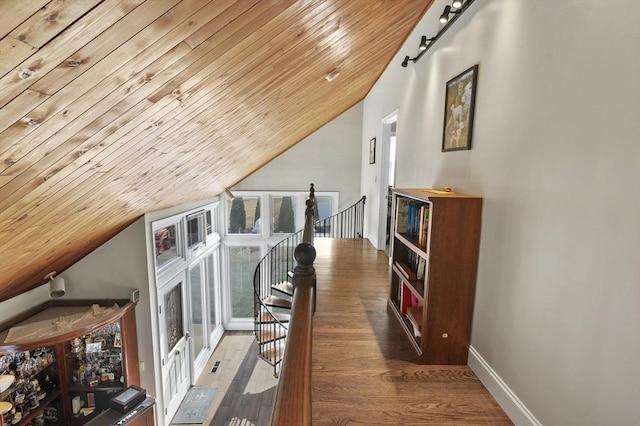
point(556, 156)
point(18, 304)
point(328, 158)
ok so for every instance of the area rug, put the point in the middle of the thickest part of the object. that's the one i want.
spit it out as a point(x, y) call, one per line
point(194, 406)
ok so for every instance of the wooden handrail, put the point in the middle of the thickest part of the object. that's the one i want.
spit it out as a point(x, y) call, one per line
point(293, 400)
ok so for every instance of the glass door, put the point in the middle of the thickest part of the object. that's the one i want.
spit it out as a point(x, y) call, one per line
point(197, 324)
point(176, 373)
point(213, 290)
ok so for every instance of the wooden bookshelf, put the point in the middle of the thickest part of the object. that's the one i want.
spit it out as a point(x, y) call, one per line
point(433, 275)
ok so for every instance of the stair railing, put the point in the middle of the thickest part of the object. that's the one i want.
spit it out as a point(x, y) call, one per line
point(293, 397)
point(291, 357)
point(348, 223)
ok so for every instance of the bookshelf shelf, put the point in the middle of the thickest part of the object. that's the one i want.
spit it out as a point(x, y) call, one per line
point(434, 264)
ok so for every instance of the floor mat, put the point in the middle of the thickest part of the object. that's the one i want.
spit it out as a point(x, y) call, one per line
point(194, 406)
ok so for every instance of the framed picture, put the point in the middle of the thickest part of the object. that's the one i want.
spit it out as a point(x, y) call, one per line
point(372, 151)
point(459, 104)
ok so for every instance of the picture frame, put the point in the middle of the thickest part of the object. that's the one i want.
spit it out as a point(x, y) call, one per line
point(459, 107)
point(372, 151)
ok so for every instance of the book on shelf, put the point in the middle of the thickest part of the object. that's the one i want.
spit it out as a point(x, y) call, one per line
point(423, 228)
point(413, 219)
point(414, 315)
point(402, 214)
point(405, 270)
point(420, 270)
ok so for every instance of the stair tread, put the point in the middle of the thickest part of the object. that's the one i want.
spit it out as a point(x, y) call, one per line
point(273, 355)
point(284, 287)
point(266, 317)
point(270, 334)
point(276, 301)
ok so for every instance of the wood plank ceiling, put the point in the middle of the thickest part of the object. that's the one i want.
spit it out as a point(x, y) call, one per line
point(113, 108)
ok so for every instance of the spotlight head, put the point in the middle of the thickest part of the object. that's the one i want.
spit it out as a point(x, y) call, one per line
point(457, 4)
point(405, 62)
point(423, 43)
point(444, 18)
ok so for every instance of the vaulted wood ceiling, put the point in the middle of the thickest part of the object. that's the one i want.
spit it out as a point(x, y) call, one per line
point(114, 108)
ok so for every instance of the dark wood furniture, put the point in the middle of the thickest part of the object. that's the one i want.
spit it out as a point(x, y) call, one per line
point(90, 353)
point(141, 415)
point(433, 276)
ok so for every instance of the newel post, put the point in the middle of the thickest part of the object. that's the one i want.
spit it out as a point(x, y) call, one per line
point(304, 273)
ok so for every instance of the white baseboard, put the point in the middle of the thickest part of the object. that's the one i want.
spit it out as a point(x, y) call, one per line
point(373, 240)
point(504, 396)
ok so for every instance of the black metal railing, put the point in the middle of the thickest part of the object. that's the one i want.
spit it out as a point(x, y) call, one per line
point(348, 223)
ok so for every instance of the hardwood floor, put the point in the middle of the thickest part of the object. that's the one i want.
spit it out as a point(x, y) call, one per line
point(363, 369)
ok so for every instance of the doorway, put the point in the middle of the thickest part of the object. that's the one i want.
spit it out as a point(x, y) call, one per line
point(387, 178)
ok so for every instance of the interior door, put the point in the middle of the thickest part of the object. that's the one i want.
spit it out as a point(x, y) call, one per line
point(176, 371)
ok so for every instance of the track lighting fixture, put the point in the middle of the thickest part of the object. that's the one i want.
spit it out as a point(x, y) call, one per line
point(456, 8)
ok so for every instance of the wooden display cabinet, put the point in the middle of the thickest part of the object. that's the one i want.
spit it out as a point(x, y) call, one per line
point(61, 351)
point(436, 238)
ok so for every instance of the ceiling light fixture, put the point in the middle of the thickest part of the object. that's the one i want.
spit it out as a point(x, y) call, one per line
point(56, 286)
point(457, 4)
point(332, 75)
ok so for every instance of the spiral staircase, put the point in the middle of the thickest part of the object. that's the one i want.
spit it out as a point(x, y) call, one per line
point(274, 277)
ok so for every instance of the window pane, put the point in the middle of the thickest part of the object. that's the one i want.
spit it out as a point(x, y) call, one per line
point(242, 264)
point(195, 281)
point(322, 207)
point(283, 215)
point(212, 260)
point(210, 227)
point(165, 242)
point(243, 214)
point(173, 307)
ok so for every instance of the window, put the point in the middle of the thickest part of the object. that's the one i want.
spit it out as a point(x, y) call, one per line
point(243, 213)
point(255, 221)
point(198, 328)
point(196, 228)
point(283, 216)
point(323, 207)
point(167, 242)
point(242, 264)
